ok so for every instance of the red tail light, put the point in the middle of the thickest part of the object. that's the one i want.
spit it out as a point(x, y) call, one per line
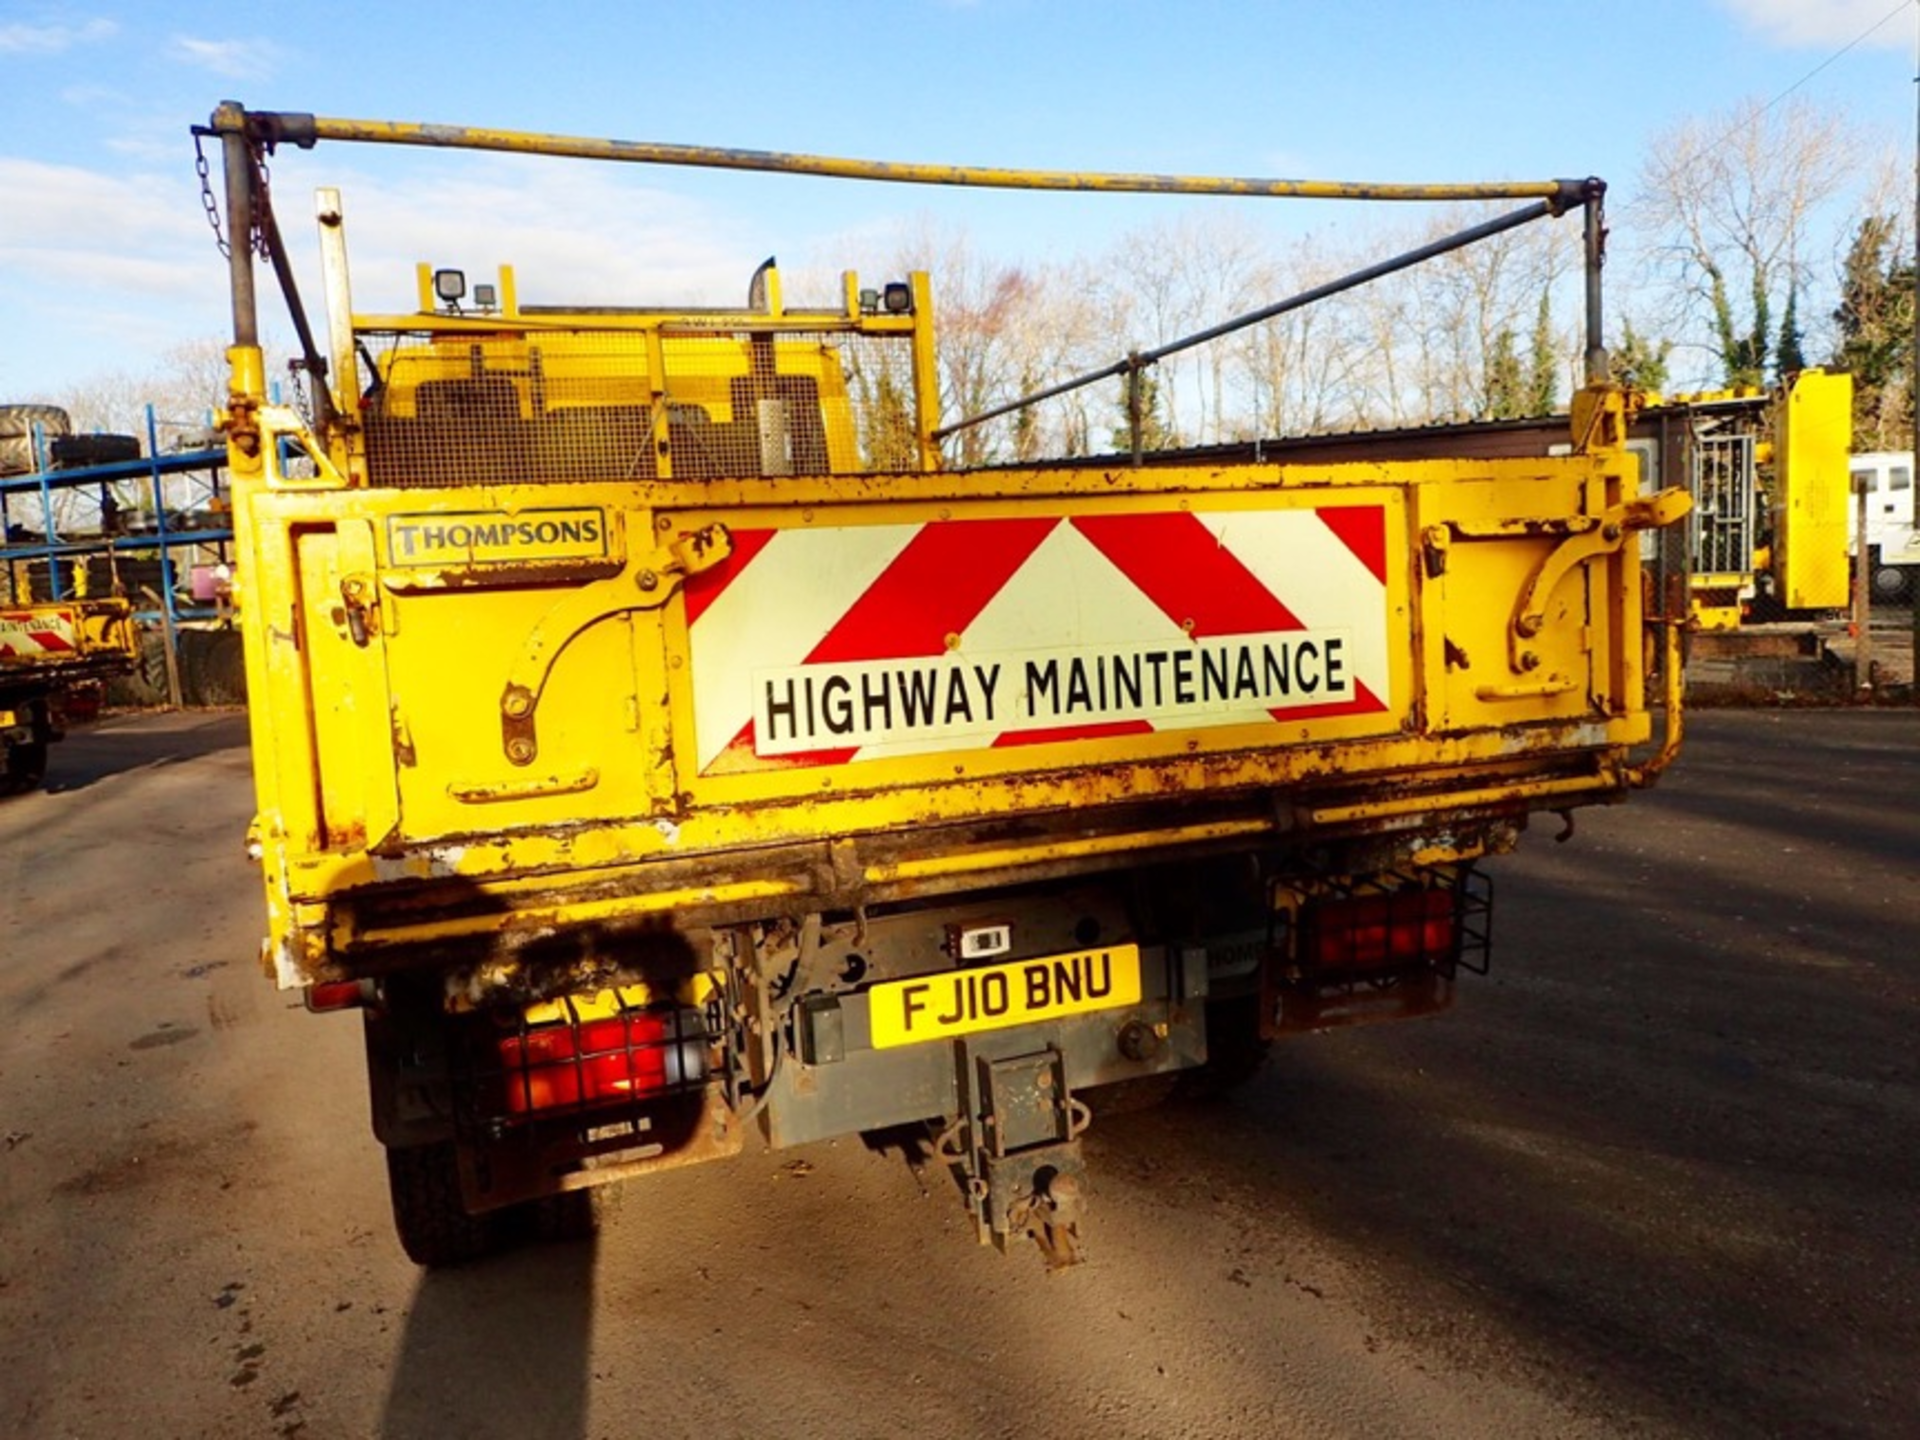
point(330, 995)
point(1407, 927)
point(577, 1064)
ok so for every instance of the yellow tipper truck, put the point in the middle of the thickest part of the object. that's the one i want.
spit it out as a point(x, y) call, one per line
point(670, 752)
point(48, 651)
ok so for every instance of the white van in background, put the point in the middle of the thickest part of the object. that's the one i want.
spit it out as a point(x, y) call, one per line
point(1893, 543)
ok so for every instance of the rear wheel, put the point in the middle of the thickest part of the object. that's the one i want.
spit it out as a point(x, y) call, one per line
point(437, 1230)
point(435, 1227)
point(25, 767)
point(1235, 1050)
point(565, 1218)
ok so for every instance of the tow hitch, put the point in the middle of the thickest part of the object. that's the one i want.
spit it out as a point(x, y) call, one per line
point(1015, 1150)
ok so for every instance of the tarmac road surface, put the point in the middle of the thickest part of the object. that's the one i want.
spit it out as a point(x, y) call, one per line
point(1659, 1174)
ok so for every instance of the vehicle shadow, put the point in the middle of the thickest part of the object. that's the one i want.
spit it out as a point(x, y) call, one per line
point(1661, 1155)
point(122, 744)
point(502, 1348)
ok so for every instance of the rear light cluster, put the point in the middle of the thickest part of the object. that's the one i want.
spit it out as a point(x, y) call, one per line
point(1418, 926)
point(1364, 932)
point(1377, 953)
point(577, 1064)
point(330, 995)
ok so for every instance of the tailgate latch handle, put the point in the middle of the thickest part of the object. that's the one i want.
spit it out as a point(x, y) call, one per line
point(361, 608)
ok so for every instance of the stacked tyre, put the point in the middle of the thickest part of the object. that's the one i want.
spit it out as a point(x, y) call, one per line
point(18, 427)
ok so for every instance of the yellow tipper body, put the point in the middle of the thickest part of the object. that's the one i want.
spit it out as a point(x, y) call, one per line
point(61, 639)
point(494, 707)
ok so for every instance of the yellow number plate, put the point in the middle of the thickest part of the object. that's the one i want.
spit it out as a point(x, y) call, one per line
point(992, 997)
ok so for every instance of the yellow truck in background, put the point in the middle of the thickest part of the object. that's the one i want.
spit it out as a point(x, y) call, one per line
point(1768, 472)
point(667, 751)
point(53, 657)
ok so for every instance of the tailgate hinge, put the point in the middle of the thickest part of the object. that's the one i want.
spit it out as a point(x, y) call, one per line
point(647, 584)
point(1583, 538)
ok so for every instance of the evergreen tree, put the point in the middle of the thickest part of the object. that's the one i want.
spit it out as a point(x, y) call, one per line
point(1875, 343)
point(1543, 376)
point(1026, 420)
point(1156, 429)
point(1505, 390)
point(1788, 357)
point(1638, 362)
point(1743, 352)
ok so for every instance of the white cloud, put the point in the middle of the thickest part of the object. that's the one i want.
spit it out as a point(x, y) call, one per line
point(107, 271)
point(92, 95)
point(66, 207)
point(235, 59)
point(103, 271)
point(52, 39)
point(1828, 24)
point(573, 233)
point(153, 149)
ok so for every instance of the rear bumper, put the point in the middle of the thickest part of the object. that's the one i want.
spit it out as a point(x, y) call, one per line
point(484, 927)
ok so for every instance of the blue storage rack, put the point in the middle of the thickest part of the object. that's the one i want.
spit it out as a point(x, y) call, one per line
point(166, 539)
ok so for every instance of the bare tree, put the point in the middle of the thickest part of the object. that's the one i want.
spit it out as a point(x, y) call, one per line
point(184, 389)
point(110, 400)
point(1183, 275)
point(181, 393)
point(1729, 203)
point(1411, 349)
point(1064, 330)
point(1473, 303)
point(1310, 369)
point(979, 306)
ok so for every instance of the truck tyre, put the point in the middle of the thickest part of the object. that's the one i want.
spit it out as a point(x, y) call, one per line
point(434, 1226)
point(21, 419)
point(25, 767)
point(1235, 1051)
point(17, 422)
point(564, 1219)
point(73, 452)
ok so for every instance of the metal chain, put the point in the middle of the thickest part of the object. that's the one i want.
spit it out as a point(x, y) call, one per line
point(297, 383)
point(212, 206)
point(257, 241)
point(263, 205)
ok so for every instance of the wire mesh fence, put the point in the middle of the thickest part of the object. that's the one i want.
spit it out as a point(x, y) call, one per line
point(590, 405)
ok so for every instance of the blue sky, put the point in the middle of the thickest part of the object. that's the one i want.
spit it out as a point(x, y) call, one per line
point(106, 260)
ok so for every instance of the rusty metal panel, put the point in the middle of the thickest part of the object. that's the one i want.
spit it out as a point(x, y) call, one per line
point(541, 705)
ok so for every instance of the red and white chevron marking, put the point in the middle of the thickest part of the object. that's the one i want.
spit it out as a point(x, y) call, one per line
point(823, 646)
point(27, 634)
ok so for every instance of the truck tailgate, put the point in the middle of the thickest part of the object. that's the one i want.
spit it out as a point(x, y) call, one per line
point(670, 696)
point(68, 639)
